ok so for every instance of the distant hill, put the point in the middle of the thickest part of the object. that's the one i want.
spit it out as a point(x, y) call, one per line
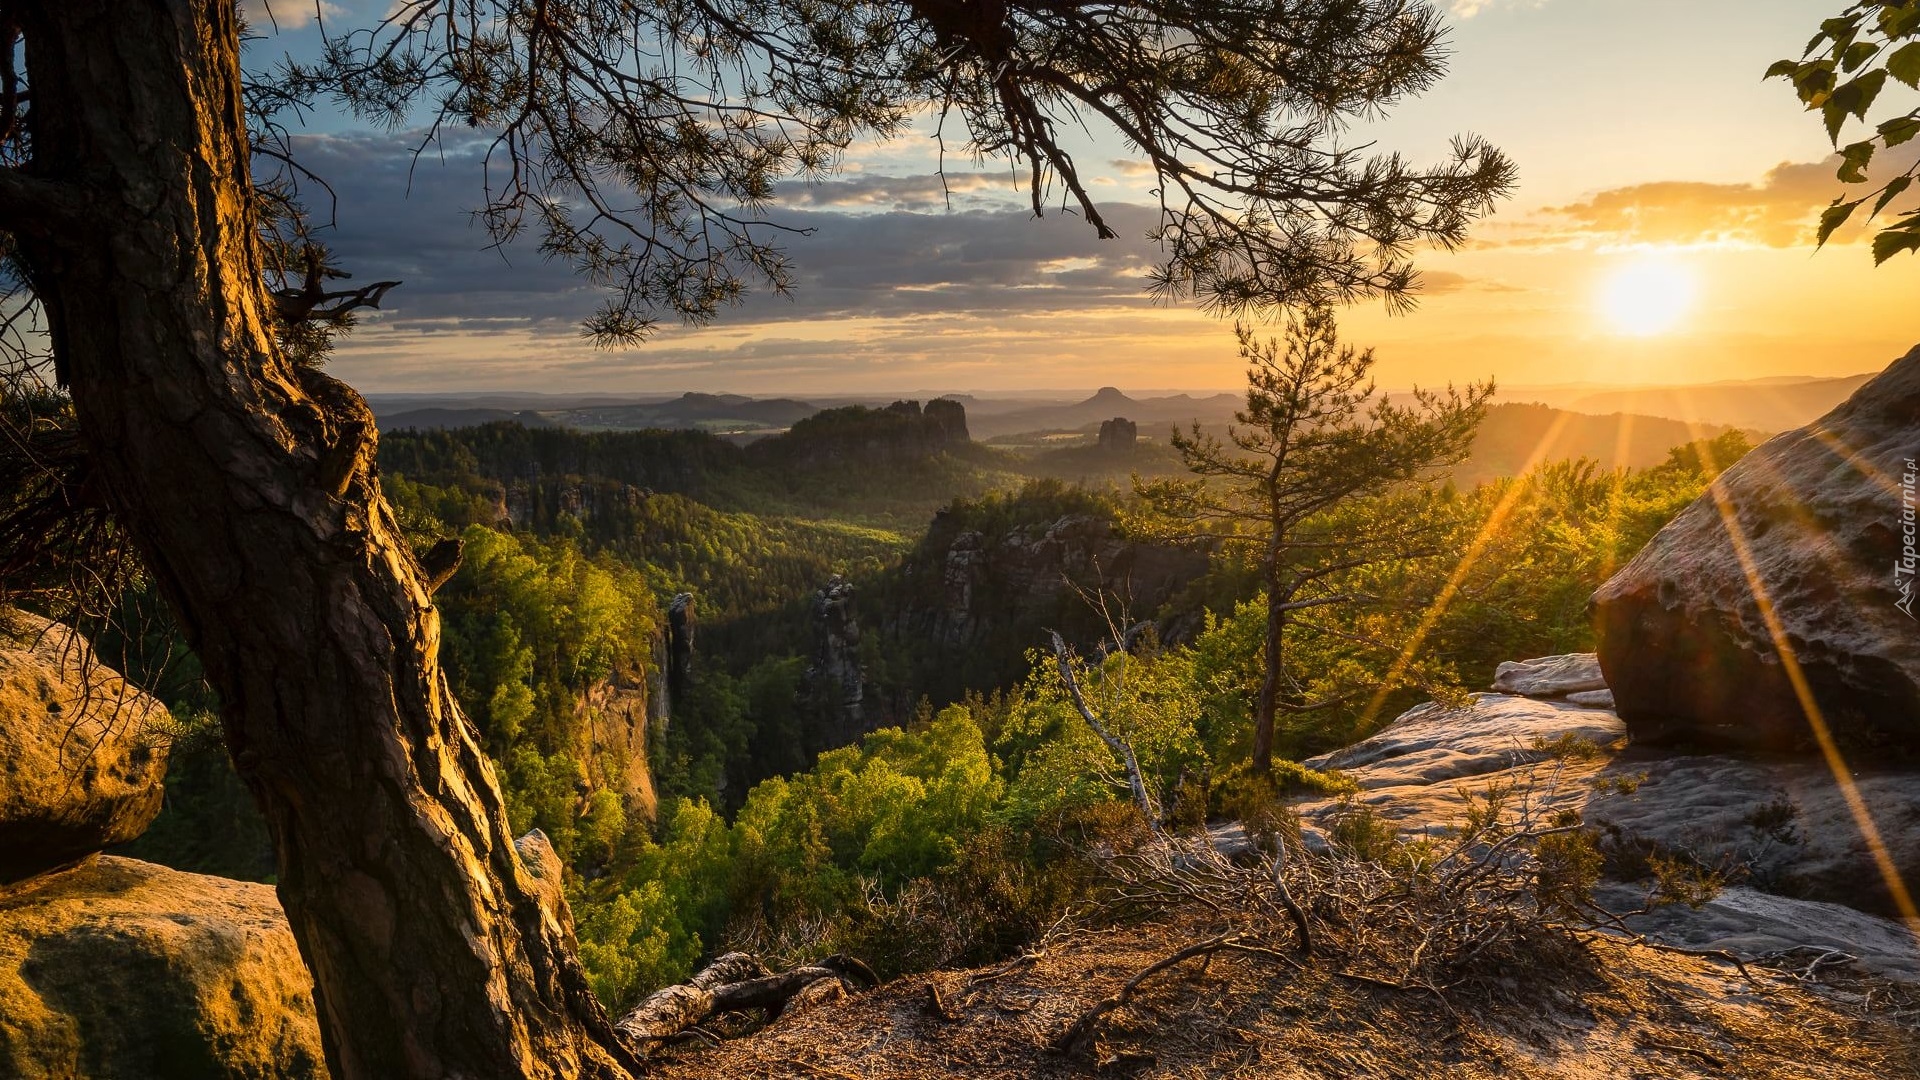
point(1516, 434)
point(1106, 404)
point(436, 419)
point(719, 413)
point(1770, 405)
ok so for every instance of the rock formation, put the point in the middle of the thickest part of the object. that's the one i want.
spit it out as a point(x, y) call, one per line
point(681, 622)
point(79, 767)
point(989, 582)
point(1782, 828)
point(111, 967)
point(1550, 676)
point(833, 690)
point(119, 968)
point(1118, 434)
point(1806, 546)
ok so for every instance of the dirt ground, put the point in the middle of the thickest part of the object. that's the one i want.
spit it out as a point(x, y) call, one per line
point(1610, 1010)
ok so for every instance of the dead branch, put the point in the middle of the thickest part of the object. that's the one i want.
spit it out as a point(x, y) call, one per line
point(734, 982)
point(1063, 658)
point(312, 301)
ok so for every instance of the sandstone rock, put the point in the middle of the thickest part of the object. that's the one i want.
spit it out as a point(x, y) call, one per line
point(1785, 826)
point(1754, 925)
point(119, 969)
point(1592, 699)
point(1419, 772)
point(1819, 519)
point(833, 688)
point(1433, 744)
point(1118, 434)
point(78, 769)
point(1550, 676)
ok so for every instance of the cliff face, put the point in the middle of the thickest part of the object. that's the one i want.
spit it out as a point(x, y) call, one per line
point(617, 720)
point(856, 435)
point(834, 690)
point(975, 595)
point(990, 584)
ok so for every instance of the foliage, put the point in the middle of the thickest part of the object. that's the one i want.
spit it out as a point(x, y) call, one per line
point(1300, 488)
point(1841, 75)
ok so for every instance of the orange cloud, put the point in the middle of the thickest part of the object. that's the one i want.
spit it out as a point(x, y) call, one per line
point(1780, 211)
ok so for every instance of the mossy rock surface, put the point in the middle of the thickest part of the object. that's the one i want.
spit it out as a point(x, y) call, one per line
point(123, 969)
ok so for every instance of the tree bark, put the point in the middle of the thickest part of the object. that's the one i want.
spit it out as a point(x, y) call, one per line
point(1267, 702)
point(248, 485)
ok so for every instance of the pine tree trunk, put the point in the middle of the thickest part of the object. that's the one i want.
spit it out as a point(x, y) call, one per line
point(1267, 703)
point(249, 488)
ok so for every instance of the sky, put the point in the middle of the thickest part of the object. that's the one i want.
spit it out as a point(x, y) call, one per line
point(1661, 233)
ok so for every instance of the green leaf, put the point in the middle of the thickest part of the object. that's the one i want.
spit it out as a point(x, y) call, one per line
point(1833, 217)
point(1812, 82)
point(1782, 68)
point(1870, 86)
point(1854, 161)
point(1904, 64)
point(1899, 129)
point(1892, 191)
point(1899, 21)
point(1841, 30)
point(1857, 54)
point(1894, 241)
point(1835, 110)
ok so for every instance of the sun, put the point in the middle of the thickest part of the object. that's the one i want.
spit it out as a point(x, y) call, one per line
point(1649, 295)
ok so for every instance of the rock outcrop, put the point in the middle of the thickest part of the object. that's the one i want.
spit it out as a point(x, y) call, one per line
point(1804, 547)
point(1118, 434)
point(833, 690)
point(118, 969)
point(1550, 676)
point(79, 767)
point(681, 623)
point(1785, 830)
point(987, 583)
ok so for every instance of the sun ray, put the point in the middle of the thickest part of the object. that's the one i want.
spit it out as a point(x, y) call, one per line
point(1816, 719)
point(1496, 519)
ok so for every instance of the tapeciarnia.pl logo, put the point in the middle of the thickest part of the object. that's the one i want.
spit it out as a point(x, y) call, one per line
point(1904, 566)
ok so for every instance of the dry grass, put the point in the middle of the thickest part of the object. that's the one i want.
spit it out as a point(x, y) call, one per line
point(1614, 1010)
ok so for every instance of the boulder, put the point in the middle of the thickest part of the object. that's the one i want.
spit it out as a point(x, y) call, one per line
point(118, 968)
point(1550, 676)
point(79, 770)
point(1812, 533)
point(1592, 699)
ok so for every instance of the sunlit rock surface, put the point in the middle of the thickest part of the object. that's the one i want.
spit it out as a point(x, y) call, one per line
point(1785, 829)
point(1815, 522)
point(1550, 676)
point(119, 969)
point(79, 769)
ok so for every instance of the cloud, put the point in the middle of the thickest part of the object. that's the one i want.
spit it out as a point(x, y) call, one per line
point(1779, 211)
point(863, 246)
point(269, 15)
point(1467, 9)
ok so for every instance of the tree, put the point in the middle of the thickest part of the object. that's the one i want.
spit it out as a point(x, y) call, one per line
point(1841, 75)
point(643, 143)
point(1314, 440)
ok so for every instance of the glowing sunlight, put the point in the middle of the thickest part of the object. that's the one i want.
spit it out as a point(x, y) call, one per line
point(1648, 295)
